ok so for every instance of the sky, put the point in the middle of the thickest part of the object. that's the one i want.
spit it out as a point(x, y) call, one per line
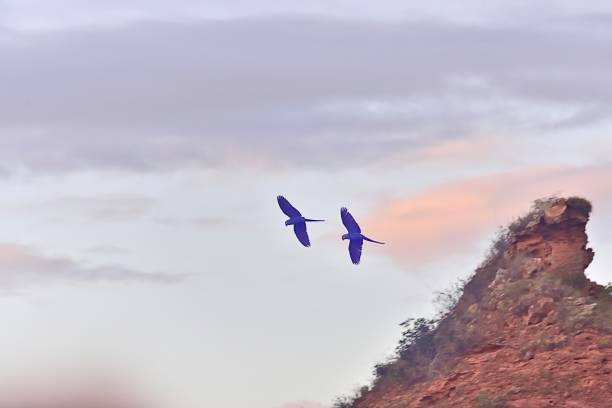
point(143, 258)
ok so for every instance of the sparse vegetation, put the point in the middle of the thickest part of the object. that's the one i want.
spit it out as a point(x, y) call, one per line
point(547, 383)
point(534, 214)
point(515, 290)
point(349, 401)
point(571, 272)
point(446, 300)
point(343, 402)
point(543, 343)
point(499, 245)
point(603, 312)
point(417, 335)
point(568, 319)
point(484, 400)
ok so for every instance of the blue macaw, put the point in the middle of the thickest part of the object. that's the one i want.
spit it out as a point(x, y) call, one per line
point(354, 235)
point(295, 219)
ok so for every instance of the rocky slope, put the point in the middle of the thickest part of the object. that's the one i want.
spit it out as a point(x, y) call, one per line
point(528, 330)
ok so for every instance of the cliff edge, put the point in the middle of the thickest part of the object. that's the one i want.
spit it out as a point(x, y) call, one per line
point(528, 328)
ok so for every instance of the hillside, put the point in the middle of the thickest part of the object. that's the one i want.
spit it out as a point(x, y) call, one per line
point(528, 329)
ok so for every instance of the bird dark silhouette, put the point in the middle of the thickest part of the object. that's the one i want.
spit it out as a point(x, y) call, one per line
point(354, 235)
point(295, 219)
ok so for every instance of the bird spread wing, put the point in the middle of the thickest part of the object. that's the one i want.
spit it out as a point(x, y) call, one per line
point(289, 210)
point(355, 250)
point(348, 221)
point(301, 233)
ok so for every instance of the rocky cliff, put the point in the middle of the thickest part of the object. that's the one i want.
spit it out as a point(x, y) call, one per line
point(528, 329)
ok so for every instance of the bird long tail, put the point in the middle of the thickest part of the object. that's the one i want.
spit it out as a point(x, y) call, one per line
point(309, 220)
point(371, 240)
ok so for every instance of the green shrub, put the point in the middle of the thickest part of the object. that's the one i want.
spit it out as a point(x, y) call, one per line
point(349, 401)
point(534, 214)
point(416, 338)
point(343, 402)
point(446, 300)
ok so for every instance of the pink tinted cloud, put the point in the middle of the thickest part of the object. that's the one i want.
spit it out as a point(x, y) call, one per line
point(460, 149)
point(305, 404)
point(450, 218)
point(22, 266)
point(91, 391)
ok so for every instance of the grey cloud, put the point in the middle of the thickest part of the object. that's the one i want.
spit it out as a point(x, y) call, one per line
point(207, 222)
point(22, 266)
point(107, 207)
point(161, 95)
point(197, 222)
point(107, 249)
point(43, 14)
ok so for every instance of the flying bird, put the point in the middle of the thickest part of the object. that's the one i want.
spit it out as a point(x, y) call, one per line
point(354, 235)
point(295, 219)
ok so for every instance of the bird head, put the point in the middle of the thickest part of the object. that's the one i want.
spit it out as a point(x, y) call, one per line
point(345, 236)
point(286, 223)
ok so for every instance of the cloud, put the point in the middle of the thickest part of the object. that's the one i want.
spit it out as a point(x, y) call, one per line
point(22, 266)
point(197, 222)
point(41, 15)
point(207, 222)
point(103, 207)
point(108, 249)
point(451, 218)
point(304, 404)
point(467, 150)
point(292, 91)
point(93, 390)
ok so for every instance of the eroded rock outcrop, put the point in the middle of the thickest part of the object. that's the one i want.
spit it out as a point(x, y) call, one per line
point(529, 330)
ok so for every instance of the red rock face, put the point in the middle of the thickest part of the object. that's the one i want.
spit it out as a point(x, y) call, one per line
point(530, 330)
